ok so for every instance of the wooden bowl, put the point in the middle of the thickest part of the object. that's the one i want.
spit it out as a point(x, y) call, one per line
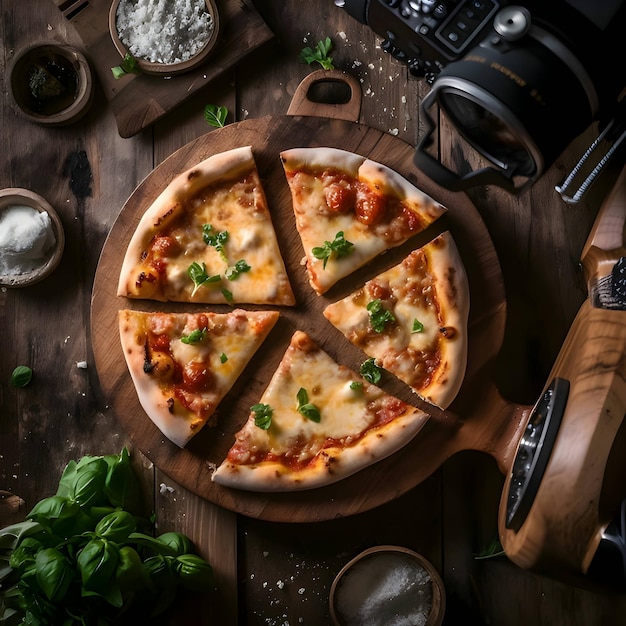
point(23, 197)
point(61, 74)
point(364, 584)
point(167, 69)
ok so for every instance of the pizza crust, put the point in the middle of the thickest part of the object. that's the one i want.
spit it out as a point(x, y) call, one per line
point(272, 460)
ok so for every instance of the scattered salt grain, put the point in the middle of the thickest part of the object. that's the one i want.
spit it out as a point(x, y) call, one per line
point(81, 365)
point(163, 488)
point(163, 31)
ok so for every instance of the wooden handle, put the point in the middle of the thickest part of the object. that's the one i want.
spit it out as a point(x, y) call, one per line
point(606, 242)
point(302, 104)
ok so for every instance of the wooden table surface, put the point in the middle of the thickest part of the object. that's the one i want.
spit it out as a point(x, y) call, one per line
point(271, 572)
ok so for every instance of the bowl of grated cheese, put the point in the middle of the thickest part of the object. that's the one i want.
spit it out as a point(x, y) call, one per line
point(165, 37)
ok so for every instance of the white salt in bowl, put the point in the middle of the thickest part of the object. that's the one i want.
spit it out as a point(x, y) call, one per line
point(387, 582)
point(14, 196)
point(148, 66)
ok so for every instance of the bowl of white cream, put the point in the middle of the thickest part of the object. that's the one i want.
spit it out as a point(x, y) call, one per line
point(31, 238)
point(387, 585)
point(165, 37)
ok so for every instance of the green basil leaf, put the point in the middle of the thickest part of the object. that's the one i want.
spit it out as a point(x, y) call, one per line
point(234, 271)
point(181, 544)
point(131, 575)
point(154, 545)
point(11, 536)
point(306, 408)
point(370, 371)
point(121, 484)
point(379, 316)
point(54, 573)
point(262, 415)
point(194, 573)
point(215, 115)
point(195, 336)
point(97, 563)
point(418, 327)
point(89, 479)
point(21, 376)
point(116, 526)
point(340, 247)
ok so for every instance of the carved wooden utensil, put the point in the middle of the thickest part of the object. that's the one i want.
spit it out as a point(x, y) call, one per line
point(567, 482)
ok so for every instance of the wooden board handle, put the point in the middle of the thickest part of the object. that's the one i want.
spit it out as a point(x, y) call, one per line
point(302, 104)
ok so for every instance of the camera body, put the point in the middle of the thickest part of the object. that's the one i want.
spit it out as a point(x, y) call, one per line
point(518, 80)
point(426, 34)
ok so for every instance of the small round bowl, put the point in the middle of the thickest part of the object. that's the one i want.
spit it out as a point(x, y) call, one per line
point(370, 577)
point(167, 69)
point(60, 75)
point(23, 197)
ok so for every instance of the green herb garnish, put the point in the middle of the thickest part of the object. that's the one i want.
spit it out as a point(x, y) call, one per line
point(494, 549)
point(223, 358)
point(21, 376)
point(379, 316)
point(319, 54)
point(262, 415)
point(228, 295)
point(356, 385)
point(306, 408)
point(86, 554)
point(234, 271)
point(199, 276)
point(370, 371)
point(215, 115)
point(215, 238)
point(128, 65)
point(340, 247)
point(195, 336)
point(418, 327)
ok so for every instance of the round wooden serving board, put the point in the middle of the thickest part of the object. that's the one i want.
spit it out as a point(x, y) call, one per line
point(478, 419)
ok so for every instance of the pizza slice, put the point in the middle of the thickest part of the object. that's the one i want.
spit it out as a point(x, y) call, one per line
point(208, 238)
point(183, 364)
point(412, 319)
point(316, 423)
point(349, 209)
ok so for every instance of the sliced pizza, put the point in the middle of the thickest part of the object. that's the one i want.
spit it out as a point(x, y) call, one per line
point(316, 423)
point(208, 238)
point(183, 364)
point(349, 209)
point(412, 319)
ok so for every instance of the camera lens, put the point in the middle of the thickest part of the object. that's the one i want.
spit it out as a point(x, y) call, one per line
point(518, 103)
point(487, 130)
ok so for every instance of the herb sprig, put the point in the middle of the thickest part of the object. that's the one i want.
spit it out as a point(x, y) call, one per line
point(128, 65)
point(371, 372)
point(262, 415)
point(319, 54)
point(379, 315)
point(215, 115)
point(306, 408)
point(199, 276)
point(340, 247)
point(86, 552)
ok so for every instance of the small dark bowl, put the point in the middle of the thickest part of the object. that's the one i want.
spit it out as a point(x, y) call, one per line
point(23, 197)
point(168, 69)
point(51, 83)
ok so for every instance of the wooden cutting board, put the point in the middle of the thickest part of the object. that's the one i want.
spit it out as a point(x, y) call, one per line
point(140, 100)
point(478, 419)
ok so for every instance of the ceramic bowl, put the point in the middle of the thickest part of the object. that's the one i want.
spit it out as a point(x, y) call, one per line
point(51, 83)
point(167, 69)
point(23, 197)
point(369, 577)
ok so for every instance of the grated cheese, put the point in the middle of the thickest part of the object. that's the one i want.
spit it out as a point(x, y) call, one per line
point(162, 31)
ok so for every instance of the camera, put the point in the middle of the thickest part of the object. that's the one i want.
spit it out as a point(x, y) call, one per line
point(518, 81)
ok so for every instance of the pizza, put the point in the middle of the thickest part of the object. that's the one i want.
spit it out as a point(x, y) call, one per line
point(316, 423)
point(412, 319)
point(183, 364)
point(208, 238)
point(349, 209)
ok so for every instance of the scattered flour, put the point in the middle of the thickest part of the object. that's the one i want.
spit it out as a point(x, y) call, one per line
point(164, 31)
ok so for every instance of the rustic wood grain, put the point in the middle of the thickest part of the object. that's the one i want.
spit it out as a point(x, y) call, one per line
point(449, 517)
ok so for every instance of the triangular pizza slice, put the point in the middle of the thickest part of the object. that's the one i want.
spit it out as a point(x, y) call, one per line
point(349, 209)
point(316, 423)
point(183, 364)
point(208, 238)
point(412, 319)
